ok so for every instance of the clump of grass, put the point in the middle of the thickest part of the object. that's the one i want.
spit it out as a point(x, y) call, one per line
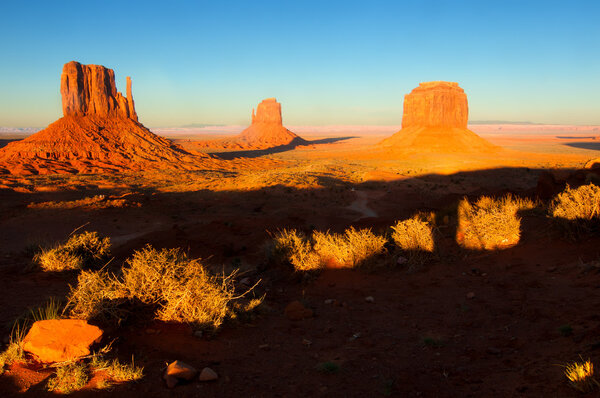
point(565, 330)
point(68, 378)
point(434, 342)
point(50, 310)
point(414, 237)
point(580, 375)
point(489, 223)
point(117, 372)
point(14, 351)
point(324, 249)
point(80, 251)
point(180, 289)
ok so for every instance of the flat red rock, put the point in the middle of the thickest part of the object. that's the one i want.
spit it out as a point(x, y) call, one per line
point(57, 340)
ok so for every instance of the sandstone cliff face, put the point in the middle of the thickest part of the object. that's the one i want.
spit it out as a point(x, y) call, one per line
point(435, 120)
point(268, 111)
point(436, 104)
point(90, 90)
point(98, 133)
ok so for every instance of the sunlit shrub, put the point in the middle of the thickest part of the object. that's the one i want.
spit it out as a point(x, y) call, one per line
point(580, 375)
point(324, 249)
point(581, 203)
point(414, 237)
point(80, 251)
point(489, 223)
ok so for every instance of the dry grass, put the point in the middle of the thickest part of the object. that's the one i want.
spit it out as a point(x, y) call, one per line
point(80, 251)
point(69, 378)
point(580, 376)
point(489, 223)
point(414, 237)
point(14, 351)
point(178, 288)
point(115, 370)
point(581, 203)
point(90, 203)
point(348, 250)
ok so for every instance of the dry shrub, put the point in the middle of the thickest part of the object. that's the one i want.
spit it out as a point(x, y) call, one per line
point(14, 351)
point(295, 247)
point(96, 295)
point(489, 223)
point(69, 378)
point(581, 203)
point(348, 250)
point(80, 251)
point(180, 289)
point(414, 237)
point(116, 371)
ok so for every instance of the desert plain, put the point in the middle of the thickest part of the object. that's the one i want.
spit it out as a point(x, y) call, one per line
point(462, 320)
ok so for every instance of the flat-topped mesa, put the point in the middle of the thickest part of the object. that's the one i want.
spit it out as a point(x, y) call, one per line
point(91, 90)
point(436, 104)
point(269, 112)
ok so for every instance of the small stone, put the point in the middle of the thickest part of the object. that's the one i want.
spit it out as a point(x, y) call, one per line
point(246, 281)
point(150, 331)
point(180, 370)
point(198, 334)
point(306, 342)
point(471, 295)
point(370, 299)
point(402, 260)
point(264, 347)
point(328, 301)
point(208, 374)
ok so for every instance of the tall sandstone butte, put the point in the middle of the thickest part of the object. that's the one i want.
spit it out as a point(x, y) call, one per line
point(435, 120)
point(91, 90)
point(266, 131)
point(98, 133)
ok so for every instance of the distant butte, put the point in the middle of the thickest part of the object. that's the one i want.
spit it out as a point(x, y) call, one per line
point(266, 131)
point(435, 120)
point(99, 132)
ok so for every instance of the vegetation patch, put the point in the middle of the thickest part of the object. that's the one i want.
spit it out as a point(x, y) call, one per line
point(80, 251)
point(414, 237)
point(351, 249)
point(577, 210)
point(178, 288)
point(69, 378)
point(581, 376)
point(490, 224)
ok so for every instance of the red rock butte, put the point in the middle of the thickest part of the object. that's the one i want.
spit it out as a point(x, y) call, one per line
point(99, 132)
point(266, 131)
point(435, 120)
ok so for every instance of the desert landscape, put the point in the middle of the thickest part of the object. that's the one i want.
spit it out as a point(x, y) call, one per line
point(437, 256)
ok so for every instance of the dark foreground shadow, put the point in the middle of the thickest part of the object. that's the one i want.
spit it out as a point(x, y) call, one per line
point(254, 153)
point(594, 146)
point(5, 141)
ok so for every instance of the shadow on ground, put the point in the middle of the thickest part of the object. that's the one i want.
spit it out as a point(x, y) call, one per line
point(254, 153)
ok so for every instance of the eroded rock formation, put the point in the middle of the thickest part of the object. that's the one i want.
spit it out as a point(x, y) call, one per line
point(265, 131)
point(90, 90)
point(99, 132)
point(435, 120)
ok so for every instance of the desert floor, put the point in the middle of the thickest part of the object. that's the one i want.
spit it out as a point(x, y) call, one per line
point(493, 317)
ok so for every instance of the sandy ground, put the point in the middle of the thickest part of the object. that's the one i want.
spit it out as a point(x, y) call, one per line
point(502, 340)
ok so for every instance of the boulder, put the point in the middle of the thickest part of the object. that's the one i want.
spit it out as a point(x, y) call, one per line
point(208, 374)
point(57, 340)
point(178, 370)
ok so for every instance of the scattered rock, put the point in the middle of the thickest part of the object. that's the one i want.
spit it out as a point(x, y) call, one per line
point(198, 334)
point(471, 295)
point(370, 299)
point(402, 260)
point(246, 281)
point(57, 340)
point(208, 374)
point(177, 371)
point(493, 351)
point(296, 311)
point(329, 301)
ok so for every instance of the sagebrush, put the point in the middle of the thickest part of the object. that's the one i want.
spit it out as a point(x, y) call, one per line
point(414, 237)
point(490, 223)
point(582, 203)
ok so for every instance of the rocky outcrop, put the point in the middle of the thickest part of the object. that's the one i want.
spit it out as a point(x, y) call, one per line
point(435, 120)
point(57, 340)
point(436, 104)
point(99, 133)
point(266, 131)
point(88, 90)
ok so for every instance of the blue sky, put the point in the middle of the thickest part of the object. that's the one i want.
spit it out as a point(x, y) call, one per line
point(327, 62)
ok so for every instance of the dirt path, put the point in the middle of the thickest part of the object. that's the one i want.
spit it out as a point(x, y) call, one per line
point(361, 204)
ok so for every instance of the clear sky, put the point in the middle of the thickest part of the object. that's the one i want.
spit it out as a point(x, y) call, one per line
point(327, 62)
